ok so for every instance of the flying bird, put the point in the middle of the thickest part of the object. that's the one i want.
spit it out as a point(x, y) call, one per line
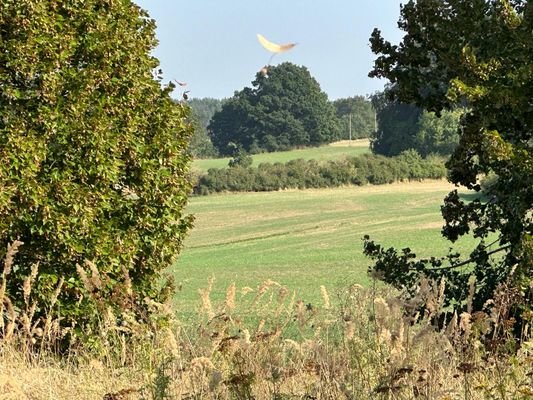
point(274, 48)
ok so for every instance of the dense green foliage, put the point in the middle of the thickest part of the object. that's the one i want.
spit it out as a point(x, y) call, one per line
point(477, 53)
point(404, 126)
point(397, 125)
point(92, 159)
point(356, 115)
point(240, 158)
point(302, 174)
point(284, 109)
point(438, 135)
point(203, 110)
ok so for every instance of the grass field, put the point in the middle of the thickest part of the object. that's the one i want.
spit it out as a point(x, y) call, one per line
point(331, 152)
point(304, 239)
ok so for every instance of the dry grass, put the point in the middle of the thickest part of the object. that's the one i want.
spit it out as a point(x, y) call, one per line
point(48, 378)
point(265, 343)
point(352, 143)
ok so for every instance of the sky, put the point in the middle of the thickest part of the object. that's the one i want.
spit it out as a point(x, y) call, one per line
point(212, 44)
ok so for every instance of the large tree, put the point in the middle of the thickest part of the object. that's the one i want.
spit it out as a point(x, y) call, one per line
point(402, 126)
point(285, 109)
point(476, 53)
point(397, 125)
point(93, 160)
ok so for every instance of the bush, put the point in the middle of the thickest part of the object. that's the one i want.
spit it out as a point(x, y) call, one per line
point(301, 174)
point(92, 158)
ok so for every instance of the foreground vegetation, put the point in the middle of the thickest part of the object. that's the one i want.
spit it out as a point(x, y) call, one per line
point(494, 83)
point(93, 160)
point(355, 343)
point(288, 313)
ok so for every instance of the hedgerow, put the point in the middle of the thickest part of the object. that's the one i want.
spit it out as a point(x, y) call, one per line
point(302, 174)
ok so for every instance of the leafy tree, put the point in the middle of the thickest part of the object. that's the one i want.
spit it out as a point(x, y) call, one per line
point(478, 53)
point(404, 126)
point(92, 158)
point(397, 125)
point(438, 135)
point(284, 109)
point(202, 111)
point(361, 113)
point(240, 158)
point(200, 145)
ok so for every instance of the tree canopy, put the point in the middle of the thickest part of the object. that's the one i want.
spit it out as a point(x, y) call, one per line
point(284, 109)
point(358, 112)
point(93, 161)
point(397, 125)
point(403, 126)
point(202, 112)
point(475, 53)
point(438, 135)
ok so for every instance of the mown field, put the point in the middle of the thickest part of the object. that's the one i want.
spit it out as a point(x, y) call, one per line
point(331, 152)
point(304, 239)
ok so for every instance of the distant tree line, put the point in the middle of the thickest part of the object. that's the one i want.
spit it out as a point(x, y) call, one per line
point(356, 117)
point(402, 126)
point(203, 110)
point(286, 109)
point(302, 174)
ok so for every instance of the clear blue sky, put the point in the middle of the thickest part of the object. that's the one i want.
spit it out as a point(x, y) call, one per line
point(212, 44)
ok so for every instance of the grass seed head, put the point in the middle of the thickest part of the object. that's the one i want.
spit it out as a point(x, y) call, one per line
point(95, 274)
point(12, 250)
point(230, 297)
point(325, 297)
point(465, 323)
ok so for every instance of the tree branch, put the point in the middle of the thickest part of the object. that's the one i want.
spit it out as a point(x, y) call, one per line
point(463, 263)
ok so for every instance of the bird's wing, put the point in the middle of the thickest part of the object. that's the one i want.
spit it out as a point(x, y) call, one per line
point(274, 47)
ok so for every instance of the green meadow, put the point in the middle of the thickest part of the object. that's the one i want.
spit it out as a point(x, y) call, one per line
point(333, 151)
point(304, 239)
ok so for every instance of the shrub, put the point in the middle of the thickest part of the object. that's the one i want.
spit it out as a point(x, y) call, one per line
point(92, 157)
point(303, 174)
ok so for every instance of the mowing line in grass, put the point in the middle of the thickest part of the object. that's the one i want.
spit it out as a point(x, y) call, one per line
point(307, 238)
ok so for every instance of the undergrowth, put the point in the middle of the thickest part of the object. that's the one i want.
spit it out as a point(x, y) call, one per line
point(265, 343)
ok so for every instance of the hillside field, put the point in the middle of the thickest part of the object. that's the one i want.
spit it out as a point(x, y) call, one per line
point(333, 151)
point(304, 239)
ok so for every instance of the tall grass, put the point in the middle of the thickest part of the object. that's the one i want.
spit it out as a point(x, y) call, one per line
point(264, 342)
